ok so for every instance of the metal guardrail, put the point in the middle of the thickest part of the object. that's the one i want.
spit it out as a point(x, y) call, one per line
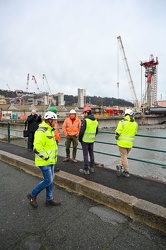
point(9, 132)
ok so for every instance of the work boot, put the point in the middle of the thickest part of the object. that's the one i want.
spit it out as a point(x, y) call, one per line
point(52, 202)
point(74, 160)
point(125, 174)
point(119, 170)
point(66, 159)
point(33, 201)
point(84, 171)
point(91, 169)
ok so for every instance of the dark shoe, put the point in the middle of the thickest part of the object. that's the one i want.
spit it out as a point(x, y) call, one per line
point(91, 169)
point(53, 202)
point(56, 169)
point(84, 171)
point(125, 174)
point(30, 150)
point(119, 170)
point(66, 159)
point(33, 201)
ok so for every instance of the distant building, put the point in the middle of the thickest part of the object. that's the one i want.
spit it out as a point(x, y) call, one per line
point(81, 98)
point(61, 99)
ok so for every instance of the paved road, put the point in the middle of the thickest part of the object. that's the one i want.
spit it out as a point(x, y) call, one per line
point(146, 189)
point(78, 223)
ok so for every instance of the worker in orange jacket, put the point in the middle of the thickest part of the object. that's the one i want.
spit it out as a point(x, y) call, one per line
point(57, 133)
point(71, 129)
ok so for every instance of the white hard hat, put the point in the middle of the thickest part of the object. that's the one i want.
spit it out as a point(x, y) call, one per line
point(72, 111)
point(33, 111)
point(50, 115)
point(128, 112)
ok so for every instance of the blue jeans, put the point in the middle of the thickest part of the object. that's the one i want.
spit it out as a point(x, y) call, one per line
point(47, 183)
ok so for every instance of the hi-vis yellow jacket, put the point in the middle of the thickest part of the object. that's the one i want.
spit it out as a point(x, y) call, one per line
point(126, 130)
point(45, 146)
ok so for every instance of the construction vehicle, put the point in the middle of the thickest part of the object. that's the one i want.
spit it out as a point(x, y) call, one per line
point(130, 81)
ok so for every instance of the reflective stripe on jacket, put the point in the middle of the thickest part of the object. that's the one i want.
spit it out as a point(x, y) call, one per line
point(90, 131)
point(127, 130)
point(45, 146)
point(70, 128)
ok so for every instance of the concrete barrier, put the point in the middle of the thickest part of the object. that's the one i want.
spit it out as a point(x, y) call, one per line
point(146, 212)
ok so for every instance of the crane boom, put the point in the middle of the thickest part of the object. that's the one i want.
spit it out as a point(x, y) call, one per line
point(44, 77)
point(33, 78)
point(130, 81)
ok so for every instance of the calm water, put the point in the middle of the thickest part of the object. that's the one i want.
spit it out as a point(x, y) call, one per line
point(143, 169)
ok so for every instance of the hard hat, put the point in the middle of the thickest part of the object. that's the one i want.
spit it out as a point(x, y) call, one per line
point(86, 109)
point(128, 112)
point(34, 111)
point(72, 111)
point(50, 115)
point(53, 109)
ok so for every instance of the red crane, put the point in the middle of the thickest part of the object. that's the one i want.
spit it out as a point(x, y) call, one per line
point(151, 82)
point(34, 79)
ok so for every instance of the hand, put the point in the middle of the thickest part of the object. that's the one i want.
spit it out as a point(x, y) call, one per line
point(116, 136)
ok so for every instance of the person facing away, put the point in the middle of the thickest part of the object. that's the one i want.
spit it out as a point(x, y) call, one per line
point(88, 132)
point(46, 152)
point(32, 122)
point(57, 132)
point(71, 128)
point(124, 134)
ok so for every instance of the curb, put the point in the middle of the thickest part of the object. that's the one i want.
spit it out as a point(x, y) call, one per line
point(146, 212)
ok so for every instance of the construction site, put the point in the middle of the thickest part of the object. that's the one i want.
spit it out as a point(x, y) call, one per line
point(147, 105)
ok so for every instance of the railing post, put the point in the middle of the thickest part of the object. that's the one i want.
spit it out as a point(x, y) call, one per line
point(8, 134)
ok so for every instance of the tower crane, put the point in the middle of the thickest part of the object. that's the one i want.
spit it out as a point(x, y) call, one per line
point(151, 83)
point(27, 85)
point(130, 81)
point(45, 78)
point(34, 79)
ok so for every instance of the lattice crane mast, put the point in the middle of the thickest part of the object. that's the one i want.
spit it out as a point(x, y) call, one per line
point(27, 84)
point(34, 79)
point(130, 81)
point(151, 83)
point(45, 78)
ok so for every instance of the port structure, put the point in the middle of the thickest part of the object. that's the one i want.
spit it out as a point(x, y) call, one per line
point(151, 81)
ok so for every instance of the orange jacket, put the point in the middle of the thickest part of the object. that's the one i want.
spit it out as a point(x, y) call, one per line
point(57, 133)
point(70, 128)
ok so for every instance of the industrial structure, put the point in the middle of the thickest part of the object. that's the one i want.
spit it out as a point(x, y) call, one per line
point(150, 95)
point(127, 70)
point(81, 98)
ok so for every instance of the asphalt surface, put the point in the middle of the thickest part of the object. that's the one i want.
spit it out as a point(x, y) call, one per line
point(142, 188)
point(78, 224)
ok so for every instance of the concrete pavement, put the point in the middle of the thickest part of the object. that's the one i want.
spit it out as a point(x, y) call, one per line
point(139, 198)
point(78, 224)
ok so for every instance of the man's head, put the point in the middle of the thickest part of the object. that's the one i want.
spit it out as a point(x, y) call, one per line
point(128, 112)
point(33, 112)
point(87, 111)
point(72, 114)
point(50, 118)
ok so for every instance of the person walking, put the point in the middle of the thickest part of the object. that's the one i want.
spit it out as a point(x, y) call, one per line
point(88, 132)
point(71, 128)
point(57, 132)
point(32, 122)
point(46, 151)
point(124, 134)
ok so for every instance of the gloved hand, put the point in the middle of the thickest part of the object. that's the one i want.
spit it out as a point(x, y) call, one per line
point(117, 136)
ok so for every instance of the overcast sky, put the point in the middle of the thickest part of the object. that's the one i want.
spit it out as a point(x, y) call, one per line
point(74, 43)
